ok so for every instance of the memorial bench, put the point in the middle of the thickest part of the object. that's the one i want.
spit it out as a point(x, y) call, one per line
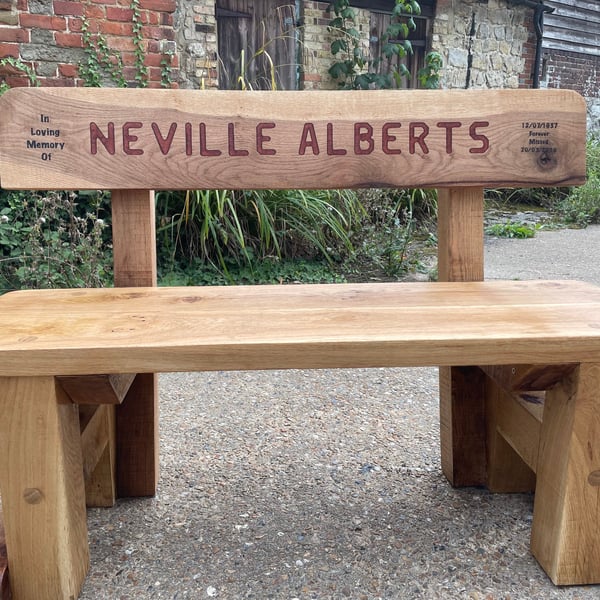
point(78, 404)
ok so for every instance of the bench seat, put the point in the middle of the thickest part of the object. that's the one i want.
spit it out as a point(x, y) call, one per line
point(144, 330)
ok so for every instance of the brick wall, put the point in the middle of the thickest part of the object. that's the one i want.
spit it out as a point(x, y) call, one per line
point(49, 36)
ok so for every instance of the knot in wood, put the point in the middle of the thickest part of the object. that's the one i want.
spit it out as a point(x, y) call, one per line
point(33, 496)
point(547, 160)
point(594, 478)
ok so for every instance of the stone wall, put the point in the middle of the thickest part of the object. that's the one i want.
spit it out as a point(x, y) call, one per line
point(49, 36)
point(196, 35)
point(481, 43)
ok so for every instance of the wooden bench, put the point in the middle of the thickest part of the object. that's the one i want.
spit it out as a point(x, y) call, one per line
point(78, 399)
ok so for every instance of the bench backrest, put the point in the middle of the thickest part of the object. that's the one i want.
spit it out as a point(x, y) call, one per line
point(134, 141)
point(174, 139)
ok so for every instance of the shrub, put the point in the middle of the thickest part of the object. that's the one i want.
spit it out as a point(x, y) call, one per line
point(51, 239)
point(582, 206)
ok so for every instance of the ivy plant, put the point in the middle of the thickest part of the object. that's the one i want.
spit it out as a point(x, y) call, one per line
point(353, 68)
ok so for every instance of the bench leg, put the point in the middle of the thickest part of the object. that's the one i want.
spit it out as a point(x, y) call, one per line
point(566, 520)
point(41, 483)
point(137, 438)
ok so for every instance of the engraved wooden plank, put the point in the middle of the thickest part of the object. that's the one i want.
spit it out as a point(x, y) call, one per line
point(182, 139)
point(96, 389)
point(346, 325)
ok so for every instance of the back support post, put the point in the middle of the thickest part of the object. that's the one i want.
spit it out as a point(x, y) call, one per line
point(462, 418)
point(134, 248)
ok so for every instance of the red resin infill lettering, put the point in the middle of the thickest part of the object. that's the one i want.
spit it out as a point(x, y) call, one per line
point(135, 138)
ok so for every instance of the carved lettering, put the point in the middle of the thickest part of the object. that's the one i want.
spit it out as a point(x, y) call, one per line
point(204, 151)
point(261, 139)
point(129, 138)
point(479, 137)
point(308, 139)
point(387, 138)
point(414, 139)
point(363, 133)
point(108, 140)
point(449, 126)
point(233, 151)
point(331, 151)
point(164, 143)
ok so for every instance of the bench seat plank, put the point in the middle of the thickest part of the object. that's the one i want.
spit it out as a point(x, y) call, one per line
point(71, 332)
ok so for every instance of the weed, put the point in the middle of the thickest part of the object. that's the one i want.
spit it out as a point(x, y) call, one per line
point(511, 230)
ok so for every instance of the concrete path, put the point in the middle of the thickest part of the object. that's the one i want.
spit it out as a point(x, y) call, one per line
point(325, 485)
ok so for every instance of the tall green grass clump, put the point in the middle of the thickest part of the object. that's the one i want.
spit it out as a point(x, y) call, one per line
point(582, 206)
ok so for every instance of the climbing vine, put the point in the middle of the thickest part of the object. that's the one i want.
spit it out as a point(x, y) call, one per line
point(19, 65)
point(353, 68)
point(103, 63)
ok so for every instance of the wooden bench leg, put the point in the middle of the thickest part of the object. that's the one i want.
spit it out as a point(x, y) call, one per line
point(41, 483)
point(566, 520)
point(137, 438)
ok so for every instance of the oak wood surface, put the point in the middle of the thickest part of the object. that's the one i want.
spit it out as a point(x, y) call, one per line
point(136, 420)
point(188, 139)
point(565, 536)
point(41, 479)
point(462, 419)
point(346, 325)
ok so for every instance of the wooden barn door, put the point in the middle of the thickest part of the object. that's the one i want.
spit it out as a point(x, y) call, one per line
point(257, 44)
point(413, 62)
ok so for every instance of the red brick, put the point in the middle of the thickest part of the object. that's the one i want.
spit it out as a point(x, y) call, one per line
point(68, 40)
point(43, 22)
point(166, 19)
point(75, 24)
point(5, 5)
point(114, 13)
point(116, 28)
point(158, 33)
point(22, 5)
point(67, 70)
point(120, 43)
point(94, 12)
point(57, 82)
point(17, 81)
point(153, 60)
point(64, 7)
point(12, 34)
point(160, 5)
point(9, 50)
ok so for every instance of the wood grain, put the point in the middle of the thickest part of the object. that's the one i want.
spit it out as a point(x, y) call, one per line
point(182, 139)
point(136, 424)
point(312, 326)
point(41, 482)
point(565, 536)
point(4, 583)
point(462, 419)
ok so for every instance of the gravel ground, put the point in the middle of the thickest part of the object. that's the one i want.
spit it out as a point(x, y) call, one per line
point(325, 484)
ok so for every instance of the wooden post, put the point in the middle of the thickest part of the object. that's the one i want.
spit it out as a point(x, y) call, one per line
point(565, 536)
point(134, 247)
point(43, 495)
point(462, 390)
